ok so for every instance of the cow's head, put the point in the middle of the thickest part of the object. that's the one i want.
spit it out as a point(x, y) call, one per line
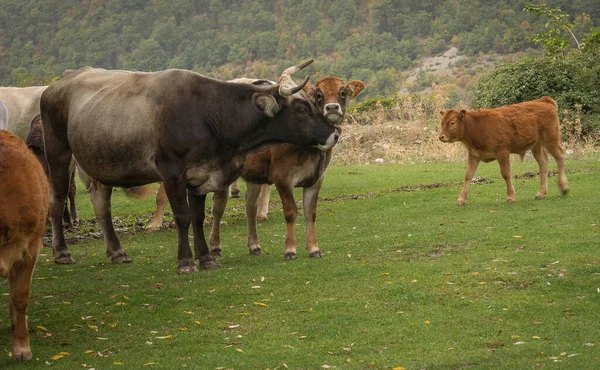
point(452, 125)
point(331, 95)
point(295, 117)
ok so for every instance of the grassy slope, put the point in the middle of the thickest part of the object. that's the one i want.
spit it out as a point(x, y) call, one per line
point(407, 279)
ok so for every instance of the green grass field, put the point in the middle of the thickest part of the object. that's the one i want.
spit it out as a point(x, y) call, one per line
point(408, 280)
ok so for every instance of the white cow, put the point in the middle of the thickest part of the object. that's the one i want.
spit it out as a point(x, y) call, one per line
point(3, 116)
point(23, 103)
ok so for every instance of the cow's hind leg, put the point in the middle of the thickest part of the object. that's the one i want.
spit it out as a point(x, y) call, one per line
point(19, 284)
point(74, 217)
point(309, 201)
point(290, 212)
point(100, 195)
point(252, 196)
point(59, 159)
point(234, 190)
point(197, 203)
point(218, 208)
point(263, 202)
point(558, 152)
point(504, 162)
point(159, 214)
point(541, 157)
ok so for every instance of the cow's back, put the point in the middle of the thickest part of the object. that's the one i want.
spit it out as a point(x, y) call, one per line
point(3, 116)
point(22, 103)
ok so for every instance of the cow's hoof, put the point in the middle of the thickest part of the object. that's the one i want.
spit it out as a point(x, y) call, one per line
point(152, 228)
point(290, 256)
point(539, 196)
point(22, 357)
point(121, 259)
point(256, 251)
point(212, 264)
point(234, 194)
point(75, 222)
point(261, 218)
point(460, 202)
point(216, 252)
point(65, 260)
point(187, 269)
point(315, 254)
point(510, 201)
point(205, 222)
point(565, 191)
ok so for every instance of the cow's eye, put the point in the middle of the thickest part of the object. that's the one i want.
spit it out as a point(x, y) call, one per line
point(302, 109)
point(343, 93)
point(319, 96)
point(452, 123)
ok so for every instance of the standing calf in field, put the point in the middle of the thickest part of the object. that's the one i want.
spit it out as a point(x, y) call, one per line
point(24, 199)
point(493, 134)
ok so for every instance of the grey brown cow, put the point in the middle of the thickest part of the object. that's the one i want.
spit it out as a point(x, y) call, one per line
point(23, 103)
point(493, 134)
point(23, 211)
point(191, 132)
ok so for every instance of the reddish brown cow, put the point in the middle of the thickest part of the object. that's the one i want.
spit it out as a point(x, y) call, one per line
point(24, 199)
point(493, 134)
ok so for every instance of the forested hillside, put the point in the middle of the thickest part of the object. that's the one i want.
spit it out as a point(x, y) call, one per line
point(369, 40)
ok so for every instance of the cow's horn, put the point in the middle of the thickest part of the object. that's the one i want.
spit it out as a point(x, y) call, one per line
point(291, 90)
point(287, 86)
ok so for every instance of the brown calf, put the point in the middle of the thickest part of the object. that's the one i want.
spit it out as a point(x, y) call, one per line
point(493, 134)
point(24, 199)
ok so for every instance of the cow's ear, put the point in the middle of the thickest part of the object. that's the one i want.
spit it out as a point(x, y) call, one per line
point(462, 114)
point(266, 103)
point(355, 87)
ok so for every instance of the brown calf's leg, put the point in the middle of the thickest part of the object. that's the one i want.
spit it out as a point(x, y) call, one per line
point(290, 212)
point(263, 202)
point(234, 190)
point(558, 152)
point(218, 208)
point(100, 195)
point(309, 201)
point(19, 284)
point(159, 214)
point(252, 195)
point(541, 157)
point(471, 168)
point(504, 162)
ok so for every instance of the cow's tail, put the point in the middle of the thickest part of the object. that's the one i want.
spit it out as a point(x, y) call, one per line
point(139, 192)
point(549, 99)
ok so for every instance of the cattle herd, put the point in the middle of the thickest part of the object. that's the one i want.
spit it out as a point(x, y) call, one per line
point(197, 135)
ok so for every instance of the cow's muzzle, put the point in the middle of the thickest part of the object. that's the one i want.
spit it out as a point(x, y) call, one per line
point(331, 141)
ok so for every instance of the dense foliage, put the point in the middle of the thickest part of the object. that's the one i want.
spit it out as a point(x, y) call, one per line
point(368, 40)
point(571, 75)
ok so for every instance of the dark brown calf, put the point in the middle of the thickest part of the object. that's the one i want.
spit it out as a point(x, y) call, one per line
point(493, 134)
point(35, 142)
point(24, 199)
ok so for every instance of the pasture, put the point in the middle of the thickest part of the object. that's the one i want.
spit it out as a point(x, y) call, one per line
point(408, 280)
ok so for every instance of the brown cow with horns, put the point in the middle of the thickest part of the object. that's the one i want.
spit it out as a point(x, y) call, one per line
point(23, 210)
point(493, 134)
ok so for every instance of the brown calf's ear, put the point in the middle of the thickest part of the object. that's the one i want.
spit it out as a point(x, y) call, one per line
point(355, 87)
point(463, 113)
point(266, 103)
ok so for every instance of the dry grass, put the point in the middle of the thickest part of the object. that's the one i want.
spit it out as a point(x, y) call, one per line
point(408, 133)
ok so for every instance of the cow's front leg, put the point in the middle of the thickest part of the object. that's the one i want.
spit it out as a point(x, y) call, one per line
point(176, 192)
point(504, 162)
point(252, 195)
point(218, 208)
point(472, 164)
point(290, 212)
point(100, 195)
point(309, 201)
point(58, 162)
point(159, 214)
point(197, 212)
